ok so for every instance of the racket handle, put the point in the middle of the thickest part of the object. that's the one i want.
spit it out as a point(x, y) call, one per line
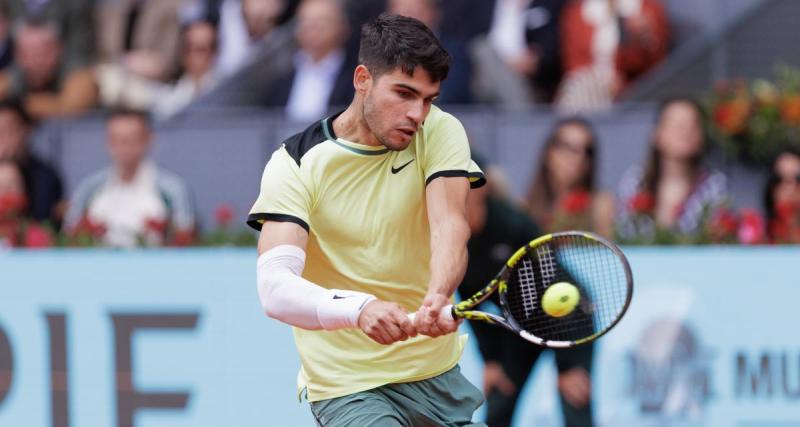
point(446, 311)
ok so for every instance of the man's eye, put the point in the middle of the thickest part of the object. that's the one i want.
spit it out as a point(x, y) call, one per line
point(406, 95)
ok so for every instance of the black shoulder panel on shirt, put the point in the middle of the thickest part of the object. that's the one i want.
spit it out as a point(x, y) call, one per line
point(298, 145)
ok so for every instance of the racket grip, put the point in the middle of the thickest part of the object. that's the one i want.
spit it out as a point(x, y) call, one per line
point(446, 311)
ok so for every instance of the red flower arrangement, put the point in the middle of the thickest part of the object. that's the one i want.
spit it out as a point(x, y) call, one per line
point(12, 205)
point(642, 203)
point(752, 228)
point(718, 225)
point(224, 215)
point(18, 231)
point(37, 237)
point(224, 234)
point(753, 121)
point(790, 109)
point(86, 233)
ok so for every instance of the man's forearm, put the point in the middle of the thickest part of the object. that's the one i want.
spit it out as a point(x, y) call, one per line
point(448, 256)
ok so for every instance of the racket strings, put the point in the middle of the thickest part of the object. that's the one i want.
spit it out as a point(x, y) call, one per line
point(592, 267)
point(529, 295)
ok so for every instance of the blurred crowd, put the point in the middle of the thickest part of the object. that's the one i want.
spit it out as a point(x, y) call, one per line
point(150, 60)
point(64, 57)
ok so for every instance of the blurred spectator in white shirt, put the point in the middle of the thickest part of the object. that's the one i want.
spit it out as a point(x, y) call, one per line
point(134, 201)
point(320, 77)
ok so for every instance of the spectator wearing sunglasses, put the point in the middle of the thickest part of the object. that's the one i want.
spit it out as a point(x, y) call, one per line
point(198, 76)
point(563, 194)
point(782, 198)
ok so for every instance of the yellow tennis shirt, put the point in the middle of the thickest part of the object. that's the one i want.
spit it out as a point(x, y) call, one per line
point(365, 210)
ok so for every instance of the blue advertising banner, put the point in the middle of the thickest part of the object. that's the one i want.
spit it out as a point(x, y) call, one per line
point(177, 338)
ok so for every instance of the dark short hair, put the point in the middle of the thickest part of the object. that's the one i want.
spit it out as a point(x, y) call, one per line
point(391, 41)
point(40, 22)
point(119, 112)
point(14, 106)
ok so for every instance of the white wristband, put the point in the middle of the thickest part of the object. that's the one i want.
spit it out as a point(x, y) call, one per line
point(341, 308)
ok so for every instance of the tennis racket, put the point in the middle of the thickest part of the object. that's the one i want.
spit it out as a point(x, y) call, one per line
point(558, 291)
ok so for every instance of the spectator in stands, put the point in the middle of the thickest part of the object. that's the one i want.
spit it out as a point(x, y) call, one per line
point(198, 53)
point(42, 183)
point(134, 200)
point(320, 77)
point(17, 228)
point(244, 25)
point(139, 49)
point(498, 229)
point(675, 191)
point(72, 17)
point(455, 39)
point(782, 198)
point(40, 78)
point(563, 194)
point(607, 44)
point(519, 62)
point(141, 36)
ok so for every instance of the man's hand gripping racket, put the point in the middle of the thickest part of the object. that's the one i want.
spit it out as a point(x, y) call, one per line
point(560, 290)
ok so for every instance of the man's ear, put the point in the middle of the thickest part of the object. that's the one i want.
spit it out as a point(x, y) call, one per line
point(362, 79)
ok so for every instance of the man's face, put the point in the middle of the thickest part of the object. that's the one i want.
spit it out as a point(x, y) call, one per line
point(13, 133)
point(396, 104)
point(199, 48)
point(321, 27)
point(38, 53)
point(128, 141)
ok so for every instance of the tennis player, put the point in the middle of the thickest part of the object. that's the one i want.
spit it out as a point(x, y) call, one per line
point(362, 219)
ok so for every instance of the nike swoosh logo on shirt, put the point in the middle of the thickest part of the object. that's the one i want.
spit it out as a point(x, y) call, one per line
point(395, 170)
point(340, 297)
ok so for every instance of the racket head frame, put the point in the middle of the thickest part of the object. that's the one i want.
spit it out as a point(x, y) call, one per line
point(500, 285)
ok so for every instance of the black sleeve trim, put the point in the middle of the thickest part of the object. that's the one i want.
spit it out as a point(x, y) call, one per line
point(256, 220)
point(479, 178)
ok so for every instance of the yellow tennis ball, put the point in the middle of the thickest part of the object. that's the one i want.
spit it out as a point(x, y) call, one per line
point(560, 299)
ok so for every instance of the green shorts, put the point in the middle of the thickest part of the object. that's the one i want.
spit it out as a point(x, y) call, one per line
point(448, 399)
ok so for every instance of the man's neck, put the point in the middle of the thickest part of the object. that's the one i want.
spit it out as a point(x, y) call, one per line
point(127, 174)
point(350, 125)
